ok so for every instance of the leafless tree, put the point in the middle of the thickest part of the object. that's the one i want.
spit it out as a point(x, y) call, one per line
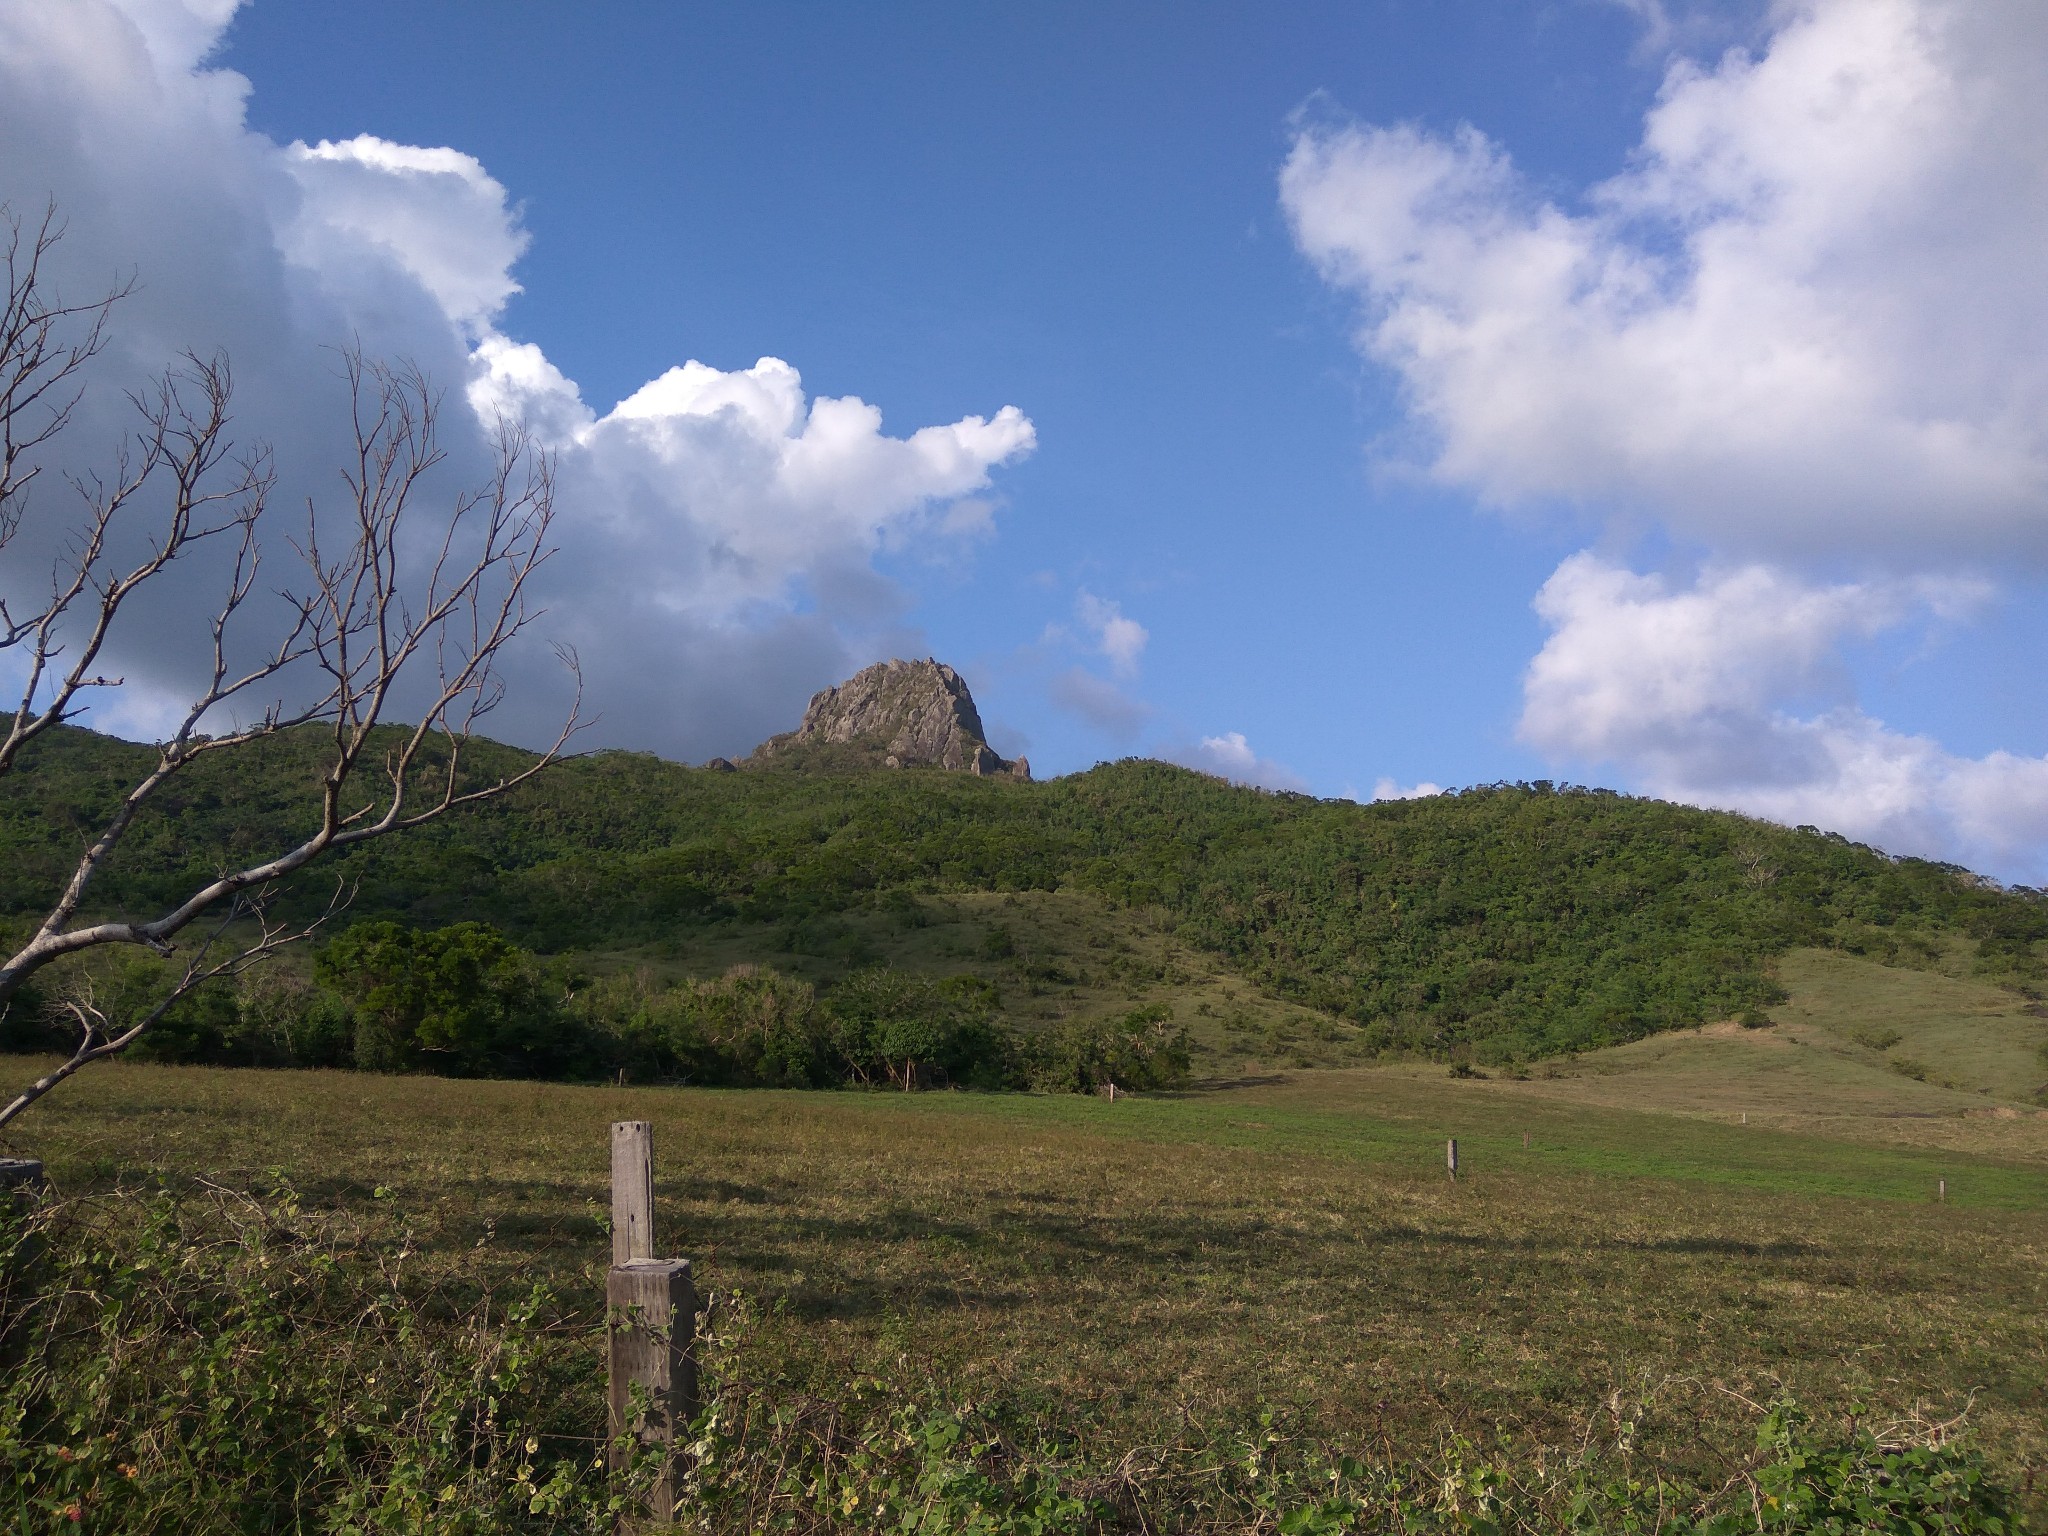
point(374, 608)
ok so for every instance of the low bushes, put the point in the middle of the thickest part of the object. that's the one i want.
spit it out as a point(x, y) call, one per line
point(1144, 1049)
point(749, 1028)
point(464, 1001)
point(878, 1028)
point(233, 1363)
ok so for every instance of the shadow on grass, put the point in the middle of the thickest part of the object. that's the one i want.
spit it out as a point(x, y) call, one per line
point(1204, 1087)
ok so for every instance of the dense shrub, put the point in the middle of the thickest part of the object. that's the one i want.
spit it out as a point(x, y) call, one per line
point(1143, 1049)
point(462, 1000)
point(241, 1364)
point(269, 1017)
point(749, 1028)
point(906, 1030)
point(466, 1001)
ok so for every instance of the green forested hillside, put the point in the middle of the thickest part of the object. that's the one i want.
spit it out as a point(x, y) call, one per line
point(1510, 920)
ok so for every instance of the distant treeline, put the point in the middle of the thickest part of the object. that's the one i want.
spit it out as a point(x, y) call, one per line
point(1508, 921)
point(463, 1001)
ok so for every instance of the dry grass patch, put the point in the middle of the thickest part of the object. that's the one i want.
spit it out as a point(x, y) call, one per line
point(1114, 1270)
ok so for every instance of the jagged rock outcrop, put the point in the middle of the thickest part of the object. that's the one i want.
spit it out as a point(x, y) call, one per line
point(895, 714)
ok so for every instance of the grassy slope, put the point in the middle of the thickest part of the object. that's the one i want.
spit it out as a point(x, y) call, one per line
point(1288, 1239)
point(1292, 1242)
point(1812, 1073)
point(1967, 1035)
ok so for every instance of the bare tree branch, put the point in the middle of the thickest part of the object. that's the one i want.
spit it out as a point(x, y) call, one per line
point(365, 628)
point(39, 364)
point(100, 1037)
point(183, 440)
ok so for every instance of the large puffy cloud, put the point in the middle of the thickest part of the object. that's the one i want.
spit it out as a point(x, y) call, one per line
point(701, 505)
point(778, 486)
point(1637, 670)
point(1808, 317)
point(434, 215)
point(1802, 332)
point(1728, 691)
point(717, 529)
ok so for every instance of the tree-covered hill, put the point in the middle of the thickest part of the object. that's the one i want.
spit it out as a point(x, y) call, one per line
point(1513, 920)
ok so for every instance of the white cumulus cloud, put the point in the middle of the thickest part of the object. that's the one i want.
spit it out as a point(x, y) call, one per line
point(1100, 629)
point(1807, 317)
point(1728, 692)
point(1800, 333)
point(1121, 640)
point(435, 215)
point(1393, 789)
point(717, 528)
point(777, 485)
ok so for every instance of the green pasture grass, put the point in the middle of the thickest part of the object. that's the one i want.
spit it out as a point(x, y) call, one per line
point(1118, 1269)
point(1401, 1120)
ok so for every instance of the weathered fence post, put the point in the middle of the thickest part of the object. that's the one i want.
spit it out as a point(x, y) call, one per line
point(1941, 1190)
point(1451, 1157)
point(632, 1191)
point(650, 1323)
point(650, 1334)
point(1525, 1141)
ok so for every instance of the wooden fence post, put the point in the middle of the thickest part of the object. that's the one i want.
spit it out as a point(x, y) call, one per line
point(650, 1339)
point(632, 1191)
point(650, 1323)
point(1941, 1190)
point(1451, 1157)
point(1525, 1141)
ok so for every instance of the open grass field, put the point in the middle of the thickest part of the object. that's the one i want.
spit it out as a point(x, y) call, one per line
point(1291, 1241)
point(1645, 1245)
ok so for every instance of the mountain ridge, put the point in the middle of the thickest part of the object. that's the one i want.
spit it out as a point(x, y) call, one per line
point(1509, 922)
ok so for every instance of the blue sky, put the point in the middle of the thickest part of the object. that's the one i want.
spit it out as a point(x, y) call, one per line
point(945, 209)
point(1389, 419)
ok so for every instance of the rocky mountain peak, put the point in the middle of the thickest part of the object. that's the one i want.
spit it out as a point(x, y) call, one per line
point(895, 714)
